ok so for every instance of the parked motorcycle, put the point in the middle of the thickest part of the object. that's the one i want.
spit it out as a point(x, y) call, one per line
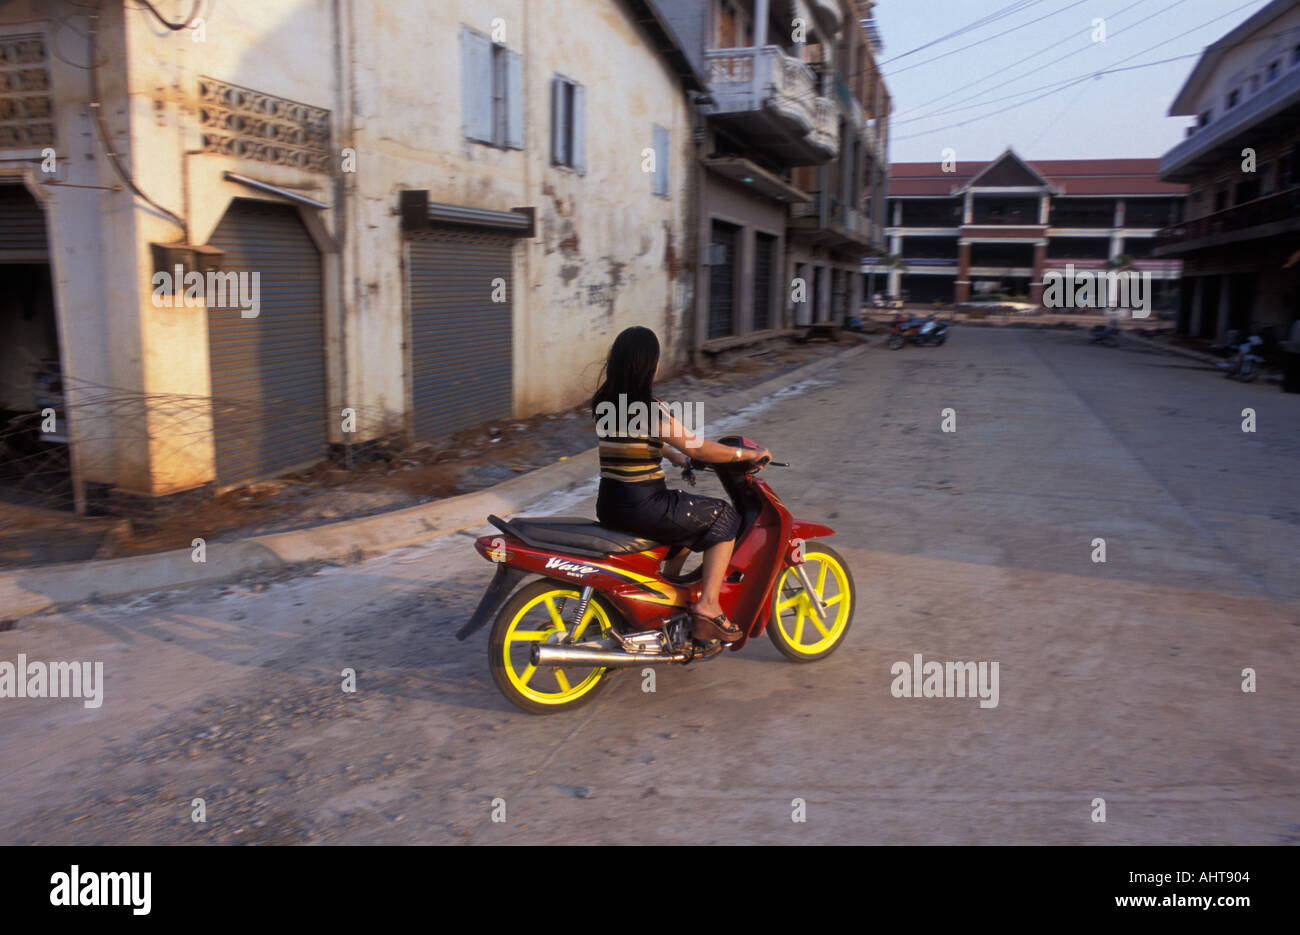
point(1244, 366)
point(601, 603)
point(1107, 335)
point(906, 328)
point(932, 331)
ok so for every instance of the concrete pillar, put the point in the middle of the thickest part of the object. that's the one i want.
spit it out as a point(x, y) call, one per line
point(968, 207)
point(1116, 244)
point(1198, 300)
point(1119, 212)
point(1044, 208)
point(962, 290)
point(1036, 281)
point(1225, 306)
point(898, 213)
point(743, 321)
point(824, 295)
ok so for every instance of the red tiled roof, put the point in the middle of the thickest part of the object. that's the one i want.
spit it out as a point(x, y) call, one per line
point(1071, 176)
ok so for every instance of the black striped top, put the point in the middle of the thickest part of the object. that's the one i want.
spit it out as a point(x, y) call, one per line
point(632, 459)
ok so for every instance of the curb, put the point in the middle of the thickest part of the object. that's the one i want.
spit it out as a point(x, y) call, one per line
point(29, 591)
point(1167, 349)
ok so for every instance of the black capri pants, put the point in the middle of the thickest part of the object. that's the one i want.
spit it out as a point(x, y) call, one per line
point(671, 517)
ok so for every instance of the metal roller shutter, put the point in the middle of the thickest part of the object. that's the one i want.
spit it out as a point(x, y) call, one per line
point(268, 373)
point(722, 280)
point(460, 340)
point(22, 224)
point(764, 249)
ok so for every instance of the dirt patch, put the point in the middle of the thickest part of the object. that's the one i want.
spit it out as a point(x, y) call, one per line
point(371, 479)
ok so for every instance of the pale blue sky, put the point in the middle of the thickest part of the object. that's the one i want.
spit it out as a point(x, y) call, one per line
point(1115, 115)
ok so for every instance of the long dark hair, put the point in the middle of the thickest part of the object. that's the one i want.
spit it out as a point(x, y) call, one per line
point(629, 368)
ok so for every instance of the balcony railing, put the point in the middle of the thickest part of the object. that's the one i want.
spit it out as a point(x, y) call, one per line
point(844, 216)
point(753, 79)
point(1017, 219)
point(1279, 206)
point(826, 126)
point(787, 82)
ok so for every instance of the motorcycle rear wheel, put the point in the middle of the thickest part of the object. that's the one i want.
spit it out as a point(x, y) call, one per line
point(533, 616)
point(792, 611)
point(895, 342)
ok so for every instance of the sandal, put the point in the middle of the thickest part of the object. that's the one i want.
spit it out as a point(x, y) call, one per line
point(704, 627)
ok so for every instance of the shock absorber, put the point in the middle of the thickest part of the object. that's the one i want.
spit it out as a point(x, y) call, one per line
point(583, 600)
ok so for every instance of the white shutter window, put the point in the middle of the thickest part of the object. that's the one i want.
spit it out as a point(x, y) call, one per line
point(660, 181)
point(476, 85)
point(559, 122)
point(578, 128)
point(514, 100)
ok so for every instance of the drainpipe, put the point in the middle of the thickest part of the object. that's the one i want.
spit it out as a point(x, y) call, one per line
point(342, 102)
point(694, 243)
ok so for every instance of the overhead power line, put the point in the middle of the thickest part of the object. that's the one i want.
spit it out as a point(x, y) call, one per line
point(1014, 63)
point(1059, 86)
point(997, 35)
point(1007, 10)
point(1032, 71)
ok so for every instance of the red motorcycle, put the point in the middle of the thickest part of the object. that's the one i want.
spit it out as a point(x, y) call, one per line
point(602, 605)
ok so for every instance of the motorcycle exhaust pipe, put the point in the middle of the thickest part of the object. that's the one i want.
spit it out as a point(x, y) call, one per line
point(582, 656)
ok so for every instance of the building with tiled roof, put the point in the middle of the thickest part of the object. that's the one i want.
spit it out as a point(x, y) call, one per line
point(970, 229)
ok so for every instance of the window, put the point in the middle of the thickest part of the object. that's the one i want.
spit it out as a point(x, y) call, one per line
point(659, 182)
point(1233, 96)
point(492, 93)
point(1295, 54)
point(568, 124)
point(1272, 72)
point(1203, 119)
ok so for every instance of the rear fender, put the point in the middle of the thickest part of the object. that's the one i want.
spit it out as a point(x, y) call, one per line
point(503, 583)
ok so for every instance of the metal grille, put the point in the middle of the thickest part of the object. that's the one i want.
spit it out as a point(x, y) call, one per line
point(22, 223)
point(460, 339)
point(764, 247)
point(268, 372)
point(722, 280)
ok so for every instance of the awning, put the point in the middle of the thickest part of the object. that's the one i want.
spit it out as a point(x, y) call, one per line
point(759, 179)
point(418, 212)
point(274, 190)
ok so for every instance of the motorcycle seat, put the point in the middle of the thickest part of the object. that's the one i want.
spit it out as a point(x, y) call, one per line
point(577, 534)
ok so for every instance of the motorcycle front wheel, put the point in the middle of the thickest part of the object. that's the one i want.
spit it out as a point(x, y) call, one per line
point(895, 342)
point(542, 612)
point(795, 629)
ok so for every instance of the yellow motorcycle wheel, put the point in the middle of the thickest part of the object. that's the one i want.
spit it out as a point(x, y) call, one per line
point(542, 612)
point(794, 628)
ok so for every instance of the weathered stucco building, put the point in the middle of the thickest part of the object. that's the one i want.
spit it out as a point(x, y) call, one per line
point(792, 135)
point(440, 214)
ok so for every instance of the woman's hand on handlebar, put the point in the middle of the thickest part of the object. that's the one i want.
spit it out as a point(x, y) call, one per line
point(761, 456)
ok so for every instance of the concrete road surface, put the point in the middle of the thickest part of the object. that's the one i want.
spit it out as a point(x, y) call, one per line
point(1119, 681)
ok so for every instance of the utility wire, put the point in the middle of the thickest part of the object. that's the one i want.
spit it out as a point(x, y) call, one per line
point(998, 35)
point(1007, 10)
point(1013, 64)
point(1032, 71)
